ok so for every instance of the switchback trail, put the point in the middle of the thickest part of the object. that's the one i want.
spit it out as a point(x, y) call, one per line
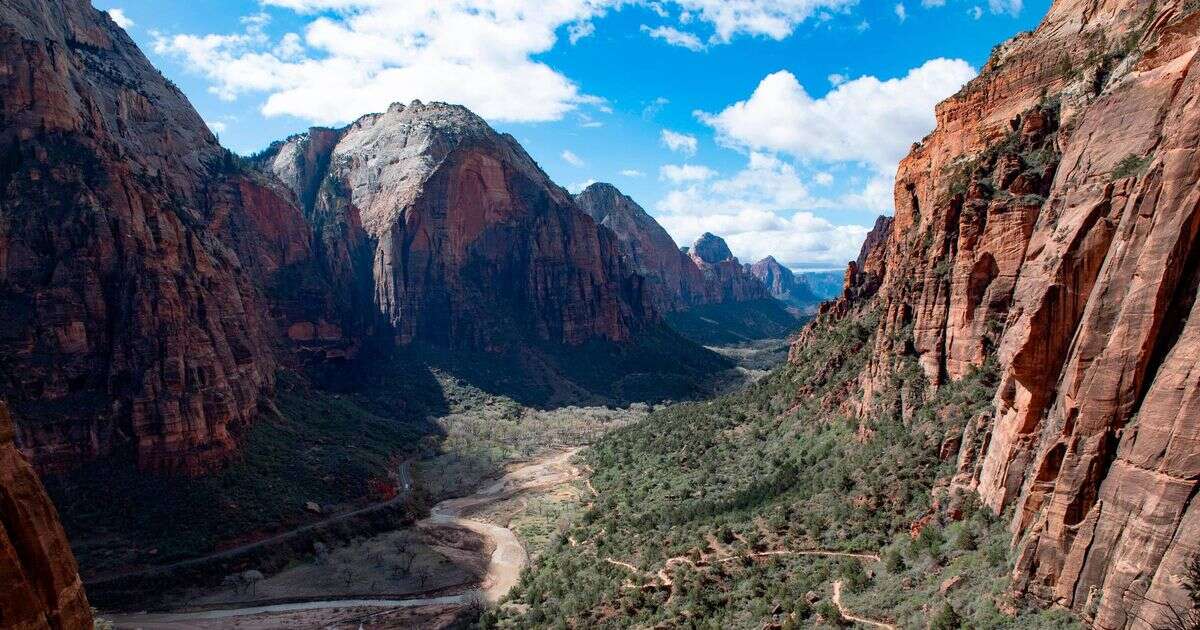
point(504, 567)
point(847, 615)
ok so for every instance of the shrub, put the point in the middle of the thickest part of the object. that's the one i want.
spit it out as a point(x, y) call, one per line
point(1130, 165)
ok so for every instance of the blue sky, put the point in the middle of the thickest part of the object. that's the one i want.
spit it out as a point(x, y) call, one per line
point(775, 123)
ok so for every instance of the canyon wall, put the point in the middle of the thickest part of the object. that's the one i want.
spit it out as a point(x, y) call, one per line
point(152, 282)
point(457, 234)
point(135, 252)
point(39, 581)
point(1051, 224)
point(675, 280)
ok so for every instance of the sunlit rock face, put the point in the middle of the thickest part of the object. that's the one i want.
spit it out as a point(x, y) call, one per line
point(456, 234)
point(39, 581)
point(1052, 221)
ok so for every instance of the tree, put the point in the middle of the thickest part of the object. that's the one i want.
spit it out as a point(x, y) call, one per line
point(946, 619)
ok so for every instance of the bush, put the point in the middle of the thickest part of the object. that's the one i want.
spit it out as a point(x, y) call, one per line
point(946, 619)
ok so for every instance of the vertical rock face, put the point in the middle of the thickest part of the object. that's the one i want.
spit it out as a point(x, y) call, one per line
point(677, 279)
point(39, 582)
point(455, 235)
point(782, 284)
point(674, 282)
point(134, 251)
point(1052, 221)
point(726, 280)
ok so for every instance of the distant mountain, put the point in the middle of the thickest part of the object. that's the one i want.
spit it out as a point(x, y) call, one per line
point(783, 284)
point(152, 283)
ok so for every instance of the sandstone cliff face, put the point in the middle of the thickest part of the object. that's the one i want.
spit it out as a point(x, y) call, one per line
point(673, 281)
point(134, 252)
point(1052, 221)
point(782, 284)
point(726, 280)
point(455, 235)
point(39, 582)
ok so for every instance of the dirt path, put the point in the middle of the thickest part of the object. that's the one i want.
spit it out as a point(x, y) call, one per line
point(847, 615)
point(504, 567)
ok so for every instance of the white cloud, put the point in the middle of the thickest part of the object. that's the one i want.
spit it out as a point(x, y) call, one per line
point(901, 12)
point(118, 16)
point(775, 19)
point(933, 3)
point(353, 57)
point(632, 172)
point(680, 142)
point(754, 235)
point(580, 30)
point(837, 79)
point(1011, 7)
point(362, 55)
point(975, 12)
point(578, 187)
point(674, 37)
point(653, 107)
point(680, 173)
point(216, 126)
point(823, 179)
point(571, 158)
point(862, 120)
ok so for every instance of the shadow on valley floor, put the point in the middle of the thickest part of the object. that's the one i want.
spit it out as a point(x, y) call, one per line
point(330, 458)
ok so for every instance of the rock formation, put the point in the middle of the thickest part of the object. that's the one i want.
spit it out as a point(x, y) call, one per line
point(1052, 221)
point(135, 252)
point(706, 273)
point(458, 234)
point(782, 284)
point(39, 582)
point(151, 282)
point(726, 280)
point(673, 281)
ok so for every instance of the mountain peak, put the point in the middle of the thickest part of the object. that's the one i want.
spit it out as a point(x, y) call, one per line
point(711, 248)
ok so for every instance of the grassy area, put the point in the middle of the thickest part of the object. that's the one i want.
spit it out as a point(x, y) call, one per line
point(775, 467)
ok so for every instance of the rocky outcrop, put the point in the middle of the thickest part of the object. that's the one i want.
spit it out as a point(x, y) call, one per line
point(1051, 223)
point(452, 234)
point(673, 281)
point(39, 581)
point(726, 280)
point(782, 284)
point(136, 254)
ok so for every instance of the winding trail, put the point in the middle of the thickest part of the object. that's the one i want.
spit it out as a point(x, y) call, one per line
point(847, 615)
point(504, 567)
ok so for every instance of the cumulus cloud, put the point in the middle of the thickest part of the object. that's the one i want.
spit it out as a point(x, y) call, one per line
point(862, 120)
point(1011, 7)
point(674, 37)
point(901, 12)
point(357, 56)
point(680, 142)
point(775, 19)
point(216, 126)
point(572, 159)
point(578, 187)
point(679, 173)
point(823, 179)
point(122, 20)
point(580, 30)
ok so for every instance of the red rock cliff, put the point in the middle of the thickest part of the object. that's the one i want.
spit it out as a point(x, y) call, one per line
point(136, 254)
point(39, 582)
point(458, 236)
point(1052, 220)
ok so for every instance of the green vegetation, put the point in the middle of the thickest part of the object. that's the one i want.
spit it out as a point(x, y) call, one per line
point(737, 322)
point(704, 491)
point(1130, 165)
point(322, 448)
